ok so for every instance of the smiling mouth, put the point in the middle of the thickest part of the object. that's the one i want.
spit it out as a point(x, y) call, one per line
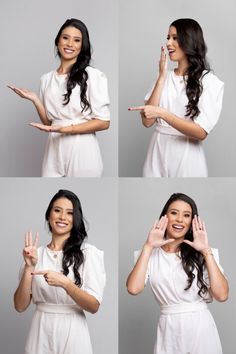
point(178, 227)
point(171, 51)
point(69, 51)
point(61, 224)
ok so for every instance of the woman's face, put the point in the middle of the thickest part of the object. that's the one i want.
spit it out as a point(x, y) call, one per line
point(61, 217)
point(175, 52)
point(179, 216)
point(70, 43)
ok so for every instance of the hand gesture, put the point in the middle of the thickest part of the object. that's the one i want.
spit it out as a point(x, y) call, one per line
point(46, 128)
point(156, 235)
point(163, 63)
point(30, 250)
point(149, 111)
point(53, 278)
point(200, 240)
point(29, 95)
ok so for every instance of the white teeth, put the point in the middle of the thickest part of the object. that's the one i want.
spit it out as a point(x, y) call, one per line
point(179, 227)
point(60, 224)
point(68, 50)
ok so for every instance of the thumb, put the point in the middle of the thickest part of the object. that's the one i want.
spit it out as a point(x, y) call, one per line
point(190, 243)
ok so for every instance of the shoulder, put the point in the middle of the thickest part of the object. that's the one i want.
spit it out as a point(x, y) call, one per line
point(89, 249)
point(209, 79)
point(95, 73)
point(47, 76)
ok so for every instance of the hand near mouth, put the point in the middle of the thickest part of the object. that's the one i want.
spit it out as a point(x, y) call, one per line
point(156, 235)
point(163, 65)
point(200, 239)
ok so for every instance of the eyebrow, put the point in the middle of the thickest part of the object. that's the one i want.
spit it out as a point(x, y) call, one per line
point(55, 206)
point(185, 211)
point(65, 34)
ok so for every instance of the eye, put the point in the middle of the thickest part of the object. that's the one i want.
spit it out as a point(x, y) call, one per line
point(64, 37)
point(168, 37)
point(187, 215)
point(70, 213)
point(175, 38)
point(78, 40)
point(56, 210)
point(173, 212)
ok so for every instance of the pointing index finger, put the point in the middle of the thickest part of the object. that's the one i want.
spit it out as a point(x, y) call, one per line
point(138, 108)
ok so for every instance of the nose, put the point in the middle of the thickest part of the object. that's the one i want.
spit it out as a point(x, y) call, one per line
point(70, 42)
point(62, 215)
point(179, 217)
point(169, 42)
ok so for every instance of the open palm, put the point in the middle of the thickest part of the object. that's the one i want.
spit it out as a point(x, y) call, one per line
point(156, 235)
point(200, 239)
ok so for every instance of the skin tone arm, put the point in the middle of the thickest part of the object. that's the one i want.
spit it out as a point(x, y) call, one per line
point(156, 93)
point(219, 288)
point(136, 279)
point(22, 296)
point(86, 301)
point(85, 128)
point(91, 126)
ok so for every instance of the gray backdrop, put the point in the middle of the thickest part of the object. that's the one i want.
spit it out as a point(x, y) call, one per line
point(141, 202)
point(143, 29)
point(23, 204)
point(29, 29)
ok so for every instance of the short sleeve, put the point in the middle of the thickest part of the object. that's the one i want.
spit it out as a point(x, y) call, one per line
point(98, 94)
point(136, 256)
point(210, 102)
point(94, 276)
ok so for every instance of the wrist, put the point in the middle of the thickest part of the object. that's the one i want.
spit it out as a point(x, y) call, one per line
point(207, 251)
point(29, 268)
point(147, 247)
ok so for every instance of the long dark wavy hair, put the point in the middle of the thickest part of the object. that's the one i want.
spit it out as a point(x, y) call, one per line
point(72, 253)
point(191, 41)
point(191, 259)
point(78, 74)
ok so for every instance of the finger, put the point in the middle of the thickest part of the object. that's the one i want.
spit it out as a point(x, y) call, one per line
point(26, 239)
point(40, 272)
point(30, 239)
point(138, 108)
point(155, 224)
point(36, 240)
point(162, 223)
point(203, 226)
point(200, 222)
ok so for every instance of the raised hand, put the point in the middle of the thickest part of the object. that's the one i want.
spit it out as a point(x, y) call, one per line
point(156, 235)
point(30, 250)
point(53, 278)
point(200, 240)
point(29, 95)
point(46, 128)
point(163, 66)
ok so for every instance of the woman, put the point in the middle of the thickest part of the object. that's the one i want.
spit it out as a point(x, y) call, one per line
point(184, 105)
point(73, 105)
point(62, 279)
point(184, 274)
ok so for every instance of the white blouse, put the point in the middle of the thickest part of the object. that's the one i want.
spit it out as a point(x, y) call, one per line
point(53, 87)
point(174, 99)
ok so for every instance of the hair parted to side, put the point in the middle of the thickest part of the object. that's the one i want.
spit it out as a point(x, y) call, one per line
point(191, 259)
point(72, 253)
point(191, 41)
point(78, 74)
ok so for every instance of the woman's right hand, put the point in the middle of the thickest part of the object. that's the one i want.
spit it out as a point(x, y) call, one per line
point(156, 235)
point(30, 250)
point(163, 64)
point(29, 95)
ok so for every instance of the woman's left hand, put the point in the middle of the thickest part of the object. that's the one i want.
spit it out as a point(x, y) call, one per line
point(149, 111)
point(200, 240)
point(47, 128)
point(53, 278)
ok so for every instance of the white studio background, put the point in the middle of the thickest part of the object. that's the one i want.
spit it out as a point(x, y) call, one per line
point(143, 28)
point(140, 204)
point(29, 29)
point(23, 205)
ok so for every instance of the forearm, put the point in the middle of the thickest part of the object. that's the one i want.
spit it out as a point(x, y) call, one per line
point(154, 99)
point(89, 127)
point(218, 284)
point(186, 127)
point(86, 301)
point(136, 279)
point(22, 296)
point(41, 112)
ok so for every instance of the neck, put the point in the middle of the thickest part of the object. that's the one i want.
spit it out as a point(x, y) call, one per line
point(174, 246)
point(65, 66)
point(57, 242)
point(182, 68)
